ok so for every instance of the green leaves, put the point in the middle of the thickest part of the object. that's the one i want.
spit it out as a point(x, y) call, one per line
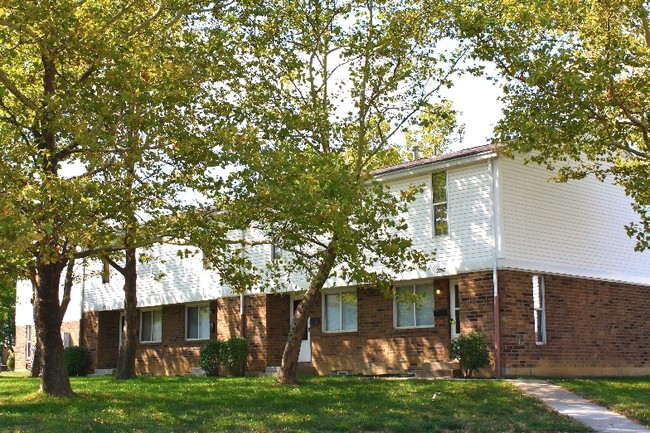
point(575, 85)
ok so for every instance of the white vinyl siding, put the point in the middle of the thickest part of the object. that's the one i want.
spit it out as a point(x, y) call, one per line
point(197, 322)
point(469, 245)
point(340, 311)
point(151, 326)
point(574, 228)
point(416, 314)
point(539, 309)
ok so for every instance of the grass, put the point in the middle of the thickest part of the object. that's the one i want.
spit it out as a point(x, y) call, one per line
point(629, 396)
point(325, 404)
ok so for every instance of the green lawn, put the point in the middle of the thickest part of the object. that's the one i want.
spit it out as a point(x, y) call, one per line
point(166, 404)
point(628, 396)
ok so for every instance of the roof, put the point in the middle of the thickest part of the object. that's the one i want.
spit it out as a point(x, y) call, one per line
point(436, 159)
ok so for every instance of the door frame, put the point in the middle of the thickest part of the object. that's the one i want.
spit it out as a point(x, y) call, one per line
point(454, 308)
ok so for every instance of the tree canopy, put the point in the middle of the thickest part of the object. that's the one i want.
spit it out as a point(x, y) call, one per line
point(575, 87)
point(328, 89)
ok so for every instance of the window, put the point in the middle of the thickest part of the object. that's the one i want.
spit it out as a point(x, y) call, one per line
point(539, 309)
point(197, 322)
point(439, 198)
point(416, 314)
point(151, 326)
point(67, 339)
point(106, 272)
point(28, 342)
point(276, 252)
point(340, 311)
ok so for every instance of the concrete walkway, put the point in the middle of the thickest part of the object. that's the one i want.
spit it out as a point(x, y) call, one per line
point(570, 404)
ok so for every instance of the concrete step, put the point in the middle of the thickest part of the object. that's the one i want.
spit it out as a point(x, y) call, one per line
point(196, 372)
point(102, 372)
point(271, 371)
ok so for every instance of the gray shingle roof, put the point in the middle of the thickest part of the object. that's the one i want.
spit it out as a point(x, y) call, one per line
point(436, 159)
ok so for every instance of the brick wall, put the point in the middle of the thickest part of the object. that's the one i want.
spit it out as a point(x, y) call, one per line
point(73, 328)
point(174, 355)
point(376, 347)
point(21, 342)
point(592, 327)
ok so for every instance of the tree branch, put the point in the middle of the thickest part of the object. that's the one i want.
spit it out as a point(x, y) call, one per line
point(67, 288)
point(4, 79)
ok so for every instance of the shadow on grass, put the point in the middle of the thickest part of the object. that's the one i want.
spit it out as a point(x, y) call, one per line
point(257, 404)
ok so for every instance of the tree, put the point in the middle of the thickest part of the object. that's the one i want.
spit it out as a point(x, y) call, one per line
point(67, 70)
point(433, 132)
point(328, 87)
point(7, 309)
point(575, 87)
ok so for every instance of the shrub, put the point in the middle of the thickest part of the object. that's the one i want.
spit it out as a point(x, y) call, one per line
point(233, 355)
point(209, 357)
point(472, 351)
point(75, 359)
point(11, 361)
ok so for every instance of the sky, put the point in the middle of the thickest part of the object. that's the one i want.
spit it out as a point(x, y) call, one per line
point(477, 99)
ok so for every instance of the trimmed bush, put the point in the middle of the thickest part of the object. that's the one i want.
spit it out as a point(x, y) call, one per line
point(75, 359)
point(233, 355)
point(11, 361)
point(209, 357)
point(472, 351)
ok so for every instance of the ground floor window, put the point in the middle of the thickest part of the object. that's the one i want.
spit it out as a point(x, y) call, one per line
point(539, 309)
point(340, 311)
point(197, 322)
point(411, 312)
point(151, 326)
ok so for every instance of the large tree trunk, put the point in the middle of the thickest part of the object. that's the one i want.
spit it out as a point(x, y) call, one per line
point(48, 318)
point(289, 367)
point(126, 356)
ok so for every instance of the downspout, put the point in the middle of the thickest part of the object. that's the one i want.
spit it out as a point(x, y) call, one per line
point(496, 232)
point(83, 300)
point(242, 312)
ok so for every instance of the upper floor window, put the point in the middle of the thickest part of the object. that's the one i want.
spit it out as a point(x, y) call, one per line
point(340, 311)
point(151, 326)
point(439, 198)
point(539, 309)
point(414, 314)
point(106, 272)
point(197, 322)
point(276, 252)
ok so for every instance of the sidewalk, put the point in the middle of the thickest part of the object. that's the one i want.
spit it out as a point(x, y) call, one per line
point(567, 403)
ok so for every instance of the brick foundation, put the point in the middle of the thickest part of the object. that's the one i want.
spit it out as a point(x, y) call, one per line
point(592, 327)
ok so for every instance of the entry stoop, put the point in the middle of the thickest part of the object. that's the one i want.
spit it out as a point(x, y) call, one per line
point(271, 372)
point(196, 371)
point(102, 372)
point(437, 369)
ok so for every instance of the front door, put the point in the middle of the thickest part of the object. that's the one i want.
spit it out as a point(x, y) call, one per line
point(454, 307)
point(305, 346)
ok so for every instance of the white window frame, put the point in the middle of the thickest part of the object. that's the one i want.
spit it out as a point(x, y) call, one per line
point(339, 292)
point(434, 204)
point(276, 252)
point(145, 310)
point(106, 272)
point(539, 309)
point(413, 307)
point(28, 342)
point(199, 306)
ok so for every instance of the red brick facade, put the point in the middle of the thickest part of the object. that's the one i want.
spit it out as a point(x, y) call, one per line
point(173, 355)
point(21, 349)
point(592, 327)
